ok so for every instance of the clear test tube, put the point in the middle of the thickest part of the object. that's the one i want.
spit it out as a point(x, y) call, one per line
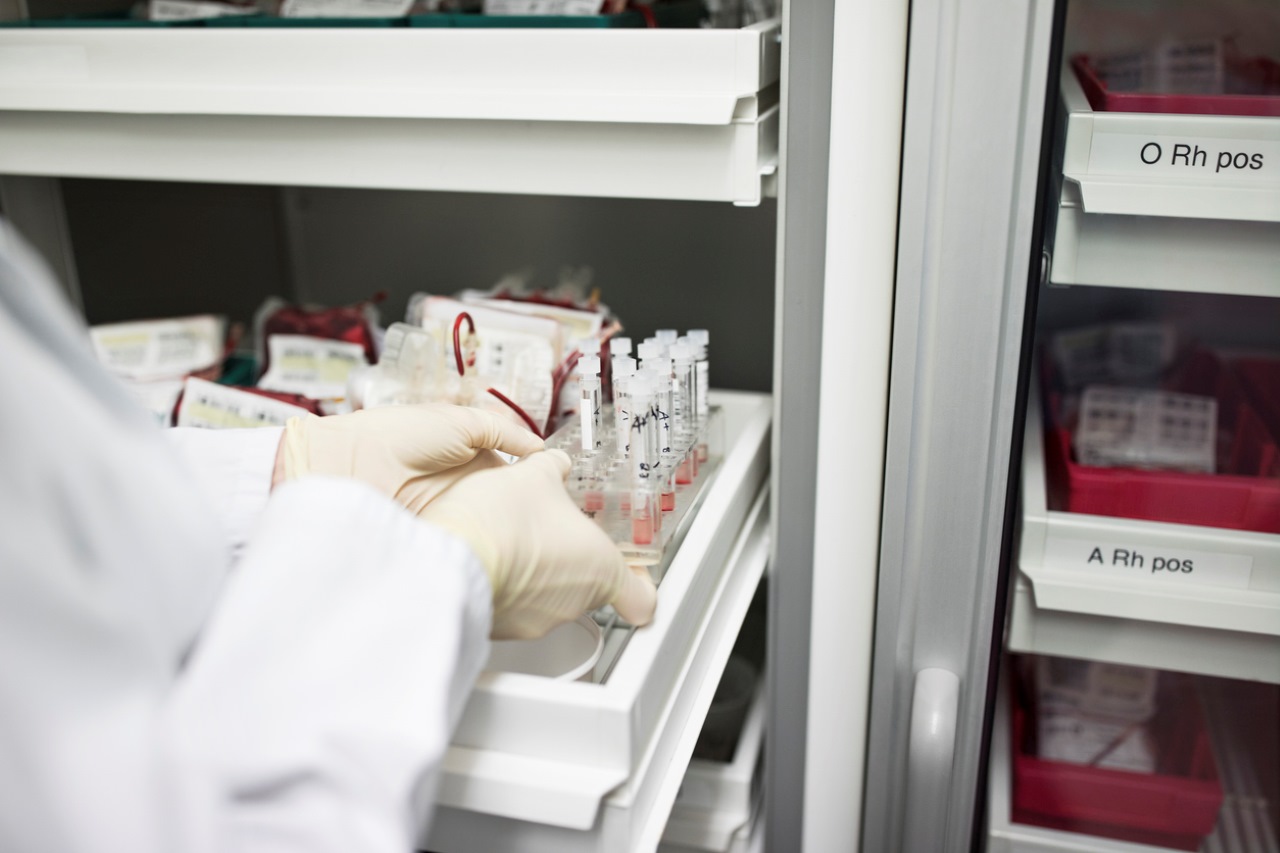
point(589, 402)
point(624, 368)
point(618, 348)
point(684, 406)
point(646, 519)
point(702, 339)
point(666, 435)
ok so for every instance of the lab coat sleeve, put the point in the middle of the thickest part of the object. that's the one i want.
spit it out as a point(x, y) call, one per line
point(232, 468)
point(318, 705)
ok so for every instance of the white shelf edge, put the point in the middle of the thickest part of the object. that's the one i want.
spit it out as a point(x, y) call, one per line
point(1160, 253)
point(682, 76)
point(660, 161)
point(1192, 628)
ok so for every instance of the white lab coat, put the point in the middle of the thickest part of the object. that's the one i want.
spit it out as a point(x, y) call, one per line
point(153, 698)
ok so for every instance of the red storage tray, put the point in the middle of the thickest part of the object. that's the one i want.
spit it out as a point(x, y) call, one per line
point(1262, 72)
point(1175, 807)
point(1244, 496)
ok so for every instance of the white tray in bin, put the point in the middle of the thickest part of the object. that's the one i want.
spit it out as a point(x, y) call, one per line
point(718, 798)
point(540, 765)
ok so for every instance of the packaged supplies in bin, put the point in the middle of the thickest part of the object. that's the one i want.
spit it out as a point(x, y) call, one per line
point(1152, 781)
point(1095, 713)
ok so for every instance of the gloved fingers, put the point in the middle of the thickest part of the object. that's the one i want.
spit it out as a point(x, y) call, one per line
point(489, 431)
point(637, 597)
point(551, 463)
point(418, 493)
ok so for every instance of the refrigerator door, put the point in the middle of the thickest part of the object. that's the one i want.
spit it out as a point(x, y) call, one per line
point(972, 155)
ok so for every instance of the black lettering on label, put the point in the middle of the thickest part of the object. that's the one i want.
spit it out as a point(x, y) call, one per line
point(1096, 554)
point(1255, 162)
point(1124, 557)
point(1171, 564)
point(1150, 153)
point(1181, 151)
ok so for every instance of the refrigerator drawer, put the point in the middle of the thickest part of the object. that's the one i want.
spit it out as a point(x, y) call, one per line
point(679, 114)
point(1170, 596)
point(1243, 822)
point(1157, 201)
point(541, 765)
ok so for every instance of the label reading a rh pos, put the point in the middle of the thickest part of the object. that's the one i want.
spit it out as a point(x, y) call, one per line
point(1155, 564)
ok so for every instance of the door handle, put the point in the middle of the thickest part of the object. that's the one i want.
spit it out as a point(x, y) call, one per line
point(930, 753)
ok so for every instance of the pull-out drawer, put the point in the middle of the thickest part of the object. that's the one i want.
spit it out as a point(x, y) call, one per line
point(1167, 202)
point(543, 765)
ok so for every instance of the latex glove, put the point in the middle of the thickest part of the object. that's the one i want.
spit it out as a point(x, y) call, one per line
point(410, 453)
point(547, 562)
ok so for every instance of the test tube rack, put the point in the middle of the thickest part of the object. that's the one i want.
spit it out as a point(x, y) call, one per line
point(602, 485)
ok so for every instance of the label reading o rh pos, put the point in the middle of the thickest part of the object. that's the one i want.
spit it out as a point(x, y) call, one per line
point(1156, 564)
point(1233, 161)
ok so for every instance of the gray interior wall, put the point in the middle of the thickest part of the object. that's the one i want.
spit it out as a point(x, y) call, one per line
point(149, 249)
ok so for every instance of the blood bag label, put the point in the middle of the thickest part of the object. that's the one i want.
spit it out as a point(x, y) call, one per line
point(1154, 564)
point(313, 367)
point(159, 349)
point(208, 405)
point(1217, 160)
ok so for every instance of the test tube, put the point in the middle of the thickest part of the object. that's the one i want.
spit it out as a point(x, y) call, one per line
point(618, 348)
point(589, 402)
point(645, 517)
point(624, 367)
point(684, 406)
point(666, 445)
point(702, 339)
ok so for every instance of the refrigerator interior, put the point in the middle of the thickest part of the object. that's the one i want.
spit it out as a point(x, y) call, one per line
point(1090, 589)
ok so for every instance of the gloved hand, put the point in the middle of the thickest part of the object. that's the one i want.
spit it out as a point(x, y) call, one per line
point(409, 453)
point(547, 562)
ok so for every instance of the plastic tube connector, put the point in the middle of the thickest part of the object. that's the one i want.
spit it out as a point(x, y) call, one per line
point(619, 347)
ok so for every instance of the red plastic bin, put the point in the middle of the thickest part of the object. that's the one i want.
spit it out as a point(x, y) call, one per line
point(1175, 807)
point(1244, 496)
point(1263, 73)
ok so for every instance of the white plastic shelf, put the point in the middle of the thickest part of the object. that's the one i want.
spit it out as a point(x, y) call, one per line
point(1244, 823)
point(540, 765)
point(1067, 605)
point(1132, 216)
point(683, 114)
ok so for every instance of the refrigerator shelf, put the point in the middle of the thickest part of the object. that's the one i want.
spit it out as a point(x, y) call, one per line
point(1244, 823)
point(1087, 586)
point(680, 114)
point(542, 765)
point(1193, 225)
